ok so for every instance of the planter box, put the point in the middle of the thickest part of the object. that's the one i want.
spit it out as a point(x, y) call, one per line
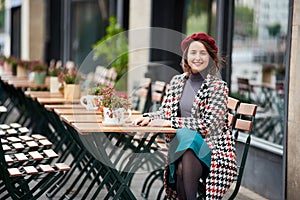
point(54, 84)
point(72, 91)
point(39, 77)
point(21, 72)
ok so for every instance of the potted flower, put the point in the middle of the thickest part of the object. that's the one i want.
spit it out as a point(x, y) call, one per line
point(22, 67)
point(10, 65)
point(54, 71)
point(112, 105)
point(71, 78)
point(40, 71)
point(6, 65)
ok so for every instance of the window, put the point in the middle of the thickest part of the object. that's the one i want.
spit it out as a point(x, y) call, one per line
point(87, 27)
point(259, 47)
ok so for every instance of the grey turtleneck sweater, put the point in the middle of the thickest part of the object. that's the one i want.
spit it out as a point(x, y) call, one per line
point(189, 93)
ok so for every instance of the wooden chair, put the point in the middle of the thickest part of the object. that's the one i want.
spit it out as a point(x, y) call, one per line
point(241, 118)
point(157, 94)
point(244, 123)
point(104, 76)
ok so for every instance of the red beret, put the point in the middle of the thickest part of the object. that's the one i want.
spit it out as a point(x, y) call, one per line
point(199, 37)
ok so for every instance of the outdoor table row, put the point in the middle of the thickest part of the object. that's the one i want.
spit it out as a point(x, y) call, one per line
point(98, 139)
point(113, 154)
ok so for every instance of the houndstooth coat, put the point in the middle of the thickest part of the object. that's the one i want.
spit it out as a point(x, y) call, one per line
point(209, 118)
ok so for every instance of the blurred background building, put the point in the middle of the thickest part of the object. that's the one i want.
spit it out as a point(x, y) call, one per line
point(255, 37)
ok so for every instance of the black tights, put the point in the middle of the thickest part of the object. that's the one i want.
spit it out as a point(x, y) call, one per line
point(189, 171)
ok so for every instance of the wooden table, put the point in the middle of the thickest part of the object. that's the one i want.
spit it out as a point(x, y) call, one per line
point(63, 106)
point(25, 83)
point(43, 94)
point(86, 128)
point(123, 155)
point(70, 119)
point(78, 111)
point(114, 148)
point(83, 111)
point(56, 100)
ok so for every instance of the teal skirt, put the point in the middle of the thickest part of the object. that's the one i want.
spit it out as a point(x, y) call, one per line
point(187, 139)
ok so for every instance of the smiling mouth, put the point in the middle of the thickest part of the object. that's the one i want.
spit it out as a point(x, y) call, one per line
point(198, 63)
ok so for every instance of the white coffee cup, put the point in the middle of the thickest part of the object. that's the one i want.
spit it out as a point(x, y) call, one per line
point(90, 102)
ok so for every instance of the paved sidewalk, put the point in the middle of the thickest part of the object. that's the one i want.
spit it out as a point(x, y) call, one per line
point(246, 194)
point(138, 180)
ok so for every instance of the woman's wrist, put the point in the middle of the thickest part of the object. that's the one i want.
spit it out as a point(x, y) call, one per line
point(147, 115)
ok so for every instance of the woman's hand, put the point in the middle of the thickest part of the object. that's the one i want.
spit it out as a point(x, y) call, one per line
point(141, 121)
point(145, 121)
point(160, 122)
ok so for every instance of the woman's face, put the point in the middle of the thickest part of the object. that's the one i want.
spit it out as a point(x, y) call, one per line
point(197, 57)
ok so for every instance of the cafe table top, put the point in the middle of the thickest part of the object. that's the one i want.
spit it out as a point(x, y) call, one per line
point(7, 77)
point(81, 118)
point(25, 83)
point(86, 128)
point(64, 106)
point(83, 111)
point(56, 100)
point(70, 119)
point(43, 94)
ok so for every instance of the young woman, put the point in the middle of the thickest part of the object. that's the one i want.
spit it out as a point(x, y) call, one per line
point(196, 105)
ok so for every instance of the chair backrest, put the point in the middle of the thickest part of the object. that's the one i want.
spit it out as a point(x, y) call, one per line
point(246, 113)
point(157, 94)
point(244, 86)
point(158, 89)
point(141, 96)
point(104, 76)
point(232, 105)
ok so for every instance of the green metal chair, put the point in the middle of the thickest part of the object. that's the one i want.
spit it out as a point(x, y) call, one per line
point(21, 183)
point(243, 125)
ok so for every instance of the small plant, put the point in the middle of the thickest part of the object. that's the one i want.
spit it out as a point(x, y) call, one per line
point(109, 98)
point(55, 70)
point(70, 75)
point(11, 60)
point(37, 66)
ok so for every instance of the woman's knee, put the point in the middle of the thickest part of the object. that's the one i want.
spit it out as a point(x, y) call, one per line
point(179, 169)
